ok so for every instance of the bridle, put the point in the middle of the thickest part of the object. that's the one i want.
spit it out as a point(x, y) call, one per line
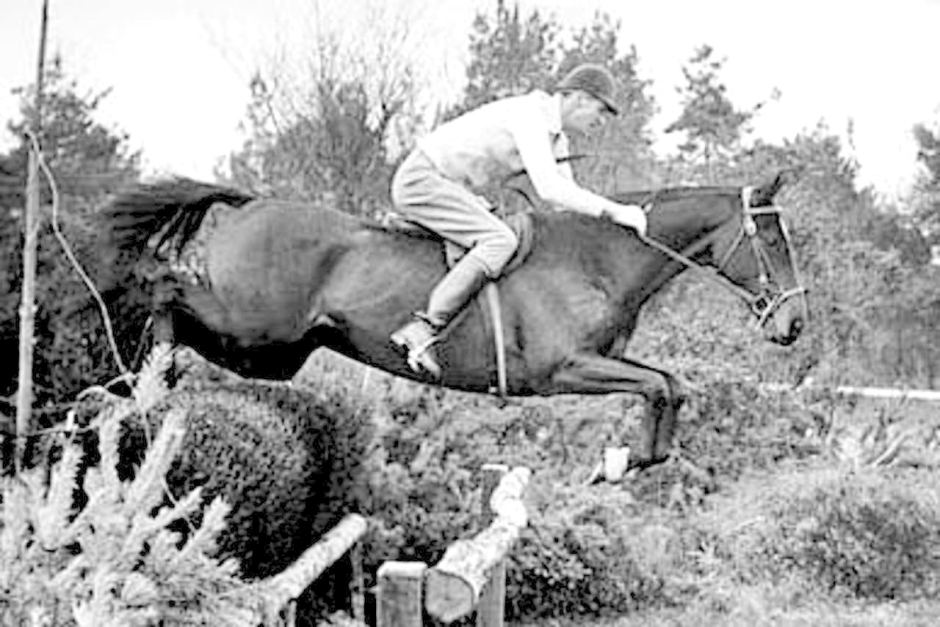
point(771, 296)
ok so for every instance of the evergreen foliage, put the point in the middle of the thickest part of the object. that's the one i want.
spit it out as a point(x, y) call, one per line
point(740, 526)
point(289, 461)
point(710, 121)
point(510, 54)
point(114, 560)
point(89, 161)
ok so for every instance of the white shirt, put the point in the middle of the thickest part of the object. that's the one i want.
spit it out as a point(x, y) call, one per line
point(483, 147)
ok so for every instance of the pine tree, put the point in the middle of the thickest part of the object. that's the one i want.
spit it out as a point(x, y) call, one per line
point(621, 157)
point(927, 189)
point(119, 559)
point(712, 125)
point(510, 54)
point(88, 161)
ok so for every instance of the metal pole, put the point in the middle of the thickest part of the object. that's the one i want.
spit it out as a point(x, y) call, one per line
point(24, 394)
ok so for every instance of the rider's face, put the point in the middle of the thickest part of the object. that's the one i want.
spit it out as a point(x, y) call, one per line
point(588, 115)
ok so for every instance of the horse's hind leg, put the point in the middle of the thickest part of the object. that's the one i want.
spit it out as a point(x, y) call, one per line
point(593, 374)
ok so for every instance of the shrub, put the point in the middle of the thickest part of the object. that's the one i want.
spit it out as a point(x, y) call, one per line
point(592, 552)
point(871, 535)
point(290, 462)
point(112, 559)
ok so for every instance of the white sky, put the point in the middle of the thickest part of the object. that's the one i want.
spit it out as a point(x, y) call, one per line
point(179, 69)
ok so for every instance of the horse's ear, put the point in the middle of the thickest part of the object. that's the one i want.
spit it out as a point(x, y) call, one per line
point(763, 196)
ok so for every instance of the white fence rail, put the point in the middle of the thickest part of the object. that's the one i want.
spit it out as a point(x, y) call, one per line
point(932, 396)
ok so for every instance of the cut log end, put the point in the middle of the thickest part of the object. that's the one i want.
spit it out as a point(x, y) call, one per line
point(449, 596)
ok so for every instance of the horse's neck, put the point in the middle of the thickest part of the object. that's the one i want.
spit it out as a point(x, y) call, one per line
point(678, 224)
point(684, 222)
point(684, 225)
point(608, 254)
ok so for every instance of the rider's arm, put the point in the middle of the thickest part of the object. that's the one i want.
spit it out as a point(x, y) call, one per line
point(553, 186)
point(562, 151)
point(547, 177)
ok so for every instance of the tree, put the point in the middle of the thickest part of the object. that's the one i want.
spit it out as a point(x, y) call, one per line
point(513, 53)
point(331, 151)
point(88, 161)
point(926, 200)
point(620, 158)
point(510, 54)
point(713, 126)
point(324, 134)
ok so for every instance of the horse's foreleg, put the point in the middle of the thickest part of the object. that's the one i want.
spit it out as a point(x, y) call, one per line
point(593, 374)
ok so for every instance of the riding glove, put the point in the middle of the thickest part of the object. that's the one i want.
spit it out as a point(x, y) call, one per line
point(631, 216)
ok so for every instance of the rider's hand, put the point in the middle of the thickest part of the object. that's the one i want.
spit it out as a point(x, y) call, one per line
point(631, 216)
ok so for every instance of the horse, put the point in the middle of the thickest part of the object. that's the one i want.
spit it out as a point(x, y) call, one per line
point(276, 279)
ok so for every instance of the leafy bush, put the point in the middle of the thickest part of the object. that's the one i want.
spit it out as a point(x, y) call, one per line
point(591, 553)
point(870, 535)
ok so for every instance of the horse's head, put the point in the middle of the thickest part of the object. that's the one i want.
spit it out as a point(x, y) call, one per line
point(752, 249)
point(740, 233)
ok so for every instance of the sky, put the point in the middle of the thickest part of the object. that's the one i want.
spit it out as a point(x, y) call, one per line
point(178, 70)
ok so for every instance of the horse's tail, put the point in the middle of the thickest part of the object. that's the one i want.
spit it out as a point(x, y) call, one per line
point(173, 208)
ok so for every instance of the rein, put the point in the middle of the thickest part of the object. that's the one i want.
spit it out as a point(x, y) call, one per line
point(757, 303)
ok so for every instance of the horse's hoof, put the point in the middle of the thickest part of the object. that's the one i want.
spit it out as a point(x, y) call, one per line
point(613, 467)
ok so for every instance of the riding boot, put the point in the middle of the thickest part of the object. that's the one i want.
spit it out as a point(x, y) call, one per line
point(447, 299)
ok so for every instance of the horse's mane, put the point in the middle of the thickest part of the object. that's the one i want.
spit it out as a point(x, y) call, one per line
point(670, 194)
point(760, 196)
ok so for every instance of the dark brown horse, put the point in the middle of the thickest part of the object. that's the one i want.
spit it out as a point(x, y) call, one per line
point(274, 280)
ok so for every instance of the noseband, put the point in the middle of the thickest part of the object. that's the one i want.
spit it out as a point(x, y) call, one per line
point(771, 296)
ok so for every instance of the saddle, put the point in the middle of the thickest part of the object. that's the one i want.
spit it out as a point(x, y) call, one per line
point(488, 299)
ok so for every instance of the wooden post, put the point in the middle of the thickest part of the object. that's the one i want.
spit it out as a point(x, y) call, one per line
point(455, 584)
point(356, 585)
point(492, 607)
point(24, 391)
point(400, 590)
point(491, 611)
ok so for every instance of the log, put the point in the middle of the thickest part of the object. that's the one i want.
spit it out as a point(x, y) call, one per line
point(455, 584)
point(398, 603)
point(492, 606)
point(289, 584)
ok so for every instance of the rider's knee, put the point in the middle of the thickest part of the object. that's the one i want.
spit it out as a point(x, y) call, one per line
point(496, 249)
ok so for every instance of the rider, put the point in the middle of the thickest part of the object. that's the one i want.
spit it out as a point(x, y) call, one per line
point(438, 185)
